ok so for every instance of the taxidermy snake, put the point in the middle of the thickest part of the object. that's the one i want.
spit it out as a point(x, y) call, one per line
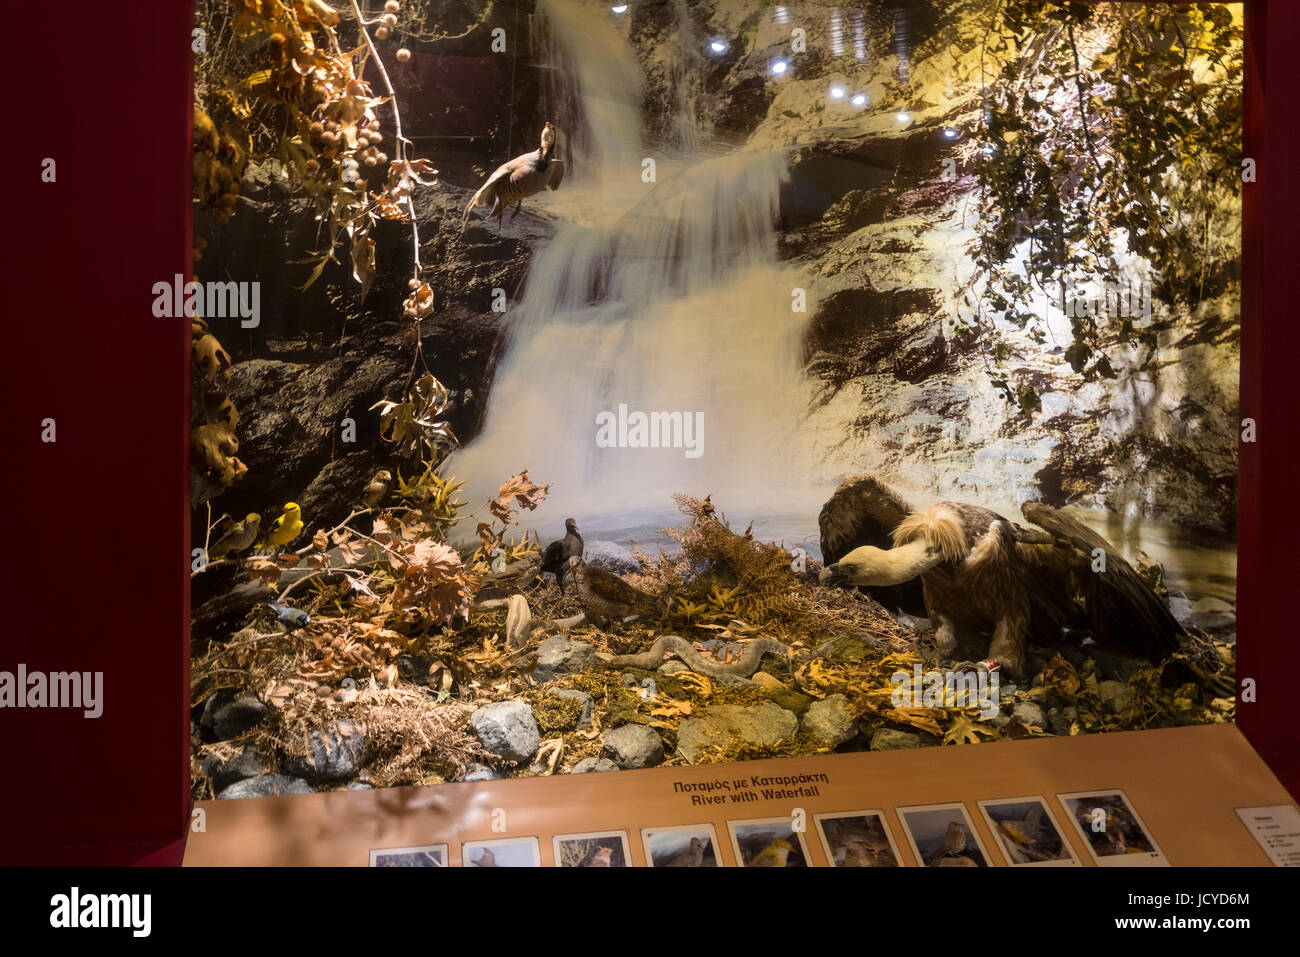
point(743, 667)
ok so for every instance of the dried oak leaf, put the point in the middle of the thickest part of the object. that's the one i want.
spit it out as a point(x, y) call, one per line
point(209, 357)
point(216, 444)
point(525, 493)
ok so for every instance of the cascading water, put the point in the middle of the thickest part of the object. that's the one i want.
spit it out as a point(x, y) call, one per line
point(678, 307)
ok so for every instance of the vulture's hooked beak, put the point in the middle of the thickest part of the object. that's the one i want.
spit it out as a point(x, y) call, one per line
point(831, 575)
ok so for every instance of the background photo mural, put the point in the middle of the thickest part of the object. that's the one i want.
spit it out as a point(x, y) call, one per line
point(884, 358)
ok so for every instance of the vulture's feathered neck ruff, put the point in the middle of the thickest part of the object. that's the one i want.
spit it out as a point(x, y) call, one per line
point(984, 575)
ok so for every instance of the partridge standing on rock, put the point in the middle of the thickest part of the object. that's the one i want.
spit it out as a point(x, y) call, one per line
point(954, 843)
point(601, 858)
point(606, 597)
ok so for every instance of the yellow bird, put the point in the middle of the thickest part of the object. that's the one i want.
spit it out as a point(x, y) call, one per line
point(240, 537)
point(285, 528)
point(774, 855)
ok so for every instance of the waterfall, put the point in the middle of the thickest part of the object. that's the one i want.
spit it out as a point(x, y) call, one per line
point(678, 306)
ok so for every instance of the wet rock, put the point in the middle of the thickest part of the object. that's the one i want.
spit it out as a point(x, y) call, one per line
point(831, 719)
point(584, 718)
point(1115, 696)
point(360, 786)
point(507, 729)
point(763, 725)
point(562, 655)
point(633, 746)
point(481, 772)
point(1030, 713)
point(887, 739)
point(266, 785)
point(248, 763)
point(233, 719)
point(590, 765)
point(332, 753)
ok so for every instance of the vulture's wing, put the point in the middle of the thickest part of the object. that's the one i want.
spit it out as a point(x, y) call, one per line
point(861, 512)
point(557, 174)
point(1120, 604)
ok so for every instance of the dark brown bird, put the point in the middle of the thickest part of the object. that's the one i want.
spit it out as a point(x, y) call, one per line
point(981, 574)
point(605, 597)
point(556, 557)
point(692, 856)
point(515, 181)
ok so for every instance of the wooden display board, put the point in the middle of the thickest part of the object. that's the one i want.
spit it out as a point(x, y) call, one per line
point(1183, 785)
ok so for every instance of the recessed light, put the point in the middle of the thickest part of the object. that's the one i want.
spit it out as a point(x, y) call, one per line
point(859, 99)
point(949, 133)
point(903, 117)
point(780, 66)
point(837, 93)
point(718, 46)
point(620, 8)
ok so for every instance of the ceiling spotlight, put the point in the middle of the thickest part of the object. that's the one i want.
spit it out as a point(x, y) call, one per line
point(949, 133)
point(837, 93)
point(619, 8)
point(904, 117)
point(718, 46)
point(859, 99)
point(780, 66)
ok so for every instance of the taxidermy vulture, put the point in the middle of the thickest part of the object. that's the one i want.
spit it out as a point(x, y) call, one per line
point(515, 181)
point(981, 574)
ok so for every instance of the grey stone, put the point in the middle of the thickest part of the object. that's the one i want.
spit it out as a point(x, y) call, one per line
point(360, 786)
point(266, 785)
point(562, 656)
point(508, 729)
point(248, 763)
point(760, 725)
point(584, 719)
point(333, 753)
point(233, 719)
point(481, 772)
point(1060, 719)
point(672, 667)
point(590, 765)
point(1115, 695)
point(887, 739)
point(831, 719)
point(633, 746)
point(1030, 713)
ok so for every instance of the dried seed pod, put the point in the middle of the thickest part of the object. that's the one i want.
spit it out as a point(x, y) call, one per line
point(317, 128)
point(403, 55)
point(381, 157)
point(392, 6)
point(381, 33)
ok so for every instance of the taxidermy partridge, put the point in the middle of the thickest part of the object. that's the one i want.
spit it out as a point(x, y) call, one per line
point(952, 848)
point(601, 858)
point(692, 856)
point(285, 528)
point(774, 855)
point(515, 181)
point(240, 537)
point(606, 597)
point(556, 557)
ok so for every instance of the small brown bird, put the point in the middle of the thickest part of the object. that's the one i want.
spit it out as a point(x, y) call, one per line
point(601, 858)
point(692, 856)
point(377, 488)
point(515, 181)
point(954, 843)
point(606, 597)
point(487, 859)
